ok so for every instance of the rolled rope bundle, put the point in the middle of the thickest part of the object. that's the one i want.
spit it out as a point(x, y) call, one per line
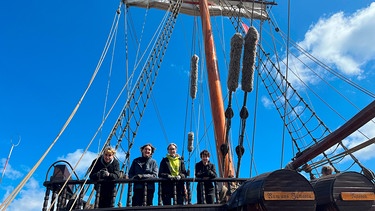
point(194, 76)
point(236, 45)
point(251, 40)
point(190, 141)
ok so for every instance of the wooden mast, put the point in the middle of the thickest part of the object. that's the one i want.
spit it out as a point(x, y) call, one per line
point(226, 166)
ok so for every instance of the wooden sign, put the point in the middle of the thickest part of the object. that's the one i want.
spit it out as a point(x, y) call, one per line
point(358, 196)
point(289, 196)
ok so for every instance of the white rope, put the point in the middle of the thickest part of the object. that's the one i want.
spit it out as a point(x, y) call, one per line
point(15, 192)
point(104, 53)
point(114, 29)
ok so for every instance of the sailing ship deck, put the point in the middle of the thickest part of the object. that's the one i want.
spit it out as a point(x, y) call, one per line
point(269, 191)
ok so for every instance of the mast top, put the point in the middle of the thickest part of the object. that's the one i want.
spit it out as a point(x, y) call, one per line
point(247, 8)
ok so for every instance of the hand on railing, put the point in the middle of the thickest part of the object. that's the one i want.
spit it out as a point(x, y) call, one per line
point(138, 176)
point(104, 173)
point(178, 177)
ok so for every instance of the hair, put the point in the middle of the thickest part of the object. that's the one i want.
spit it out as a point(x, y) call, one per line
point(327, 170)
point(152, 148)
point(205, 152)
point(172, 144)
point(109, 150)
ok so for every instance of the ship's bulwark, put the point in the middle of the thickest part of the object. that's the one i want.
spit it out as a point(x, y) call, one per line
point(278, 190)
point(195, 207)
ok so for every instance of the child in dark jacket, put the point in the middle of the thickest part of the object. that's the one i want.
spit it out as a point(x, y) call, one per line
point(143, 167)
point(106, 168)
point(205, 170)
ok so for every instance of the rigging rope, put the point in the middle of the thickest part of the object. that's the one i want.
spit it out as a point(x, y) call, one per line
point(251, 40)
point(15, 192)
point(273, 80)
point(128, 120)
point(312, 58)
point(141, 80)
point(285, 93)
point(232, 84)
point(109, 41)
point(256, 104)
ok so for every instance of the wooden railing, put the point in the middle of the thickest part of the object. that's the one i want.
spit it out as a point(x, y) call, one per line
point(80, 194)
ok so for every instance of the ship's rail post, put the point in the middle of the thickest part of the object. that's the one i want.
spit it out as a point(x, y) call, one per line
point(80, 199)
point(129, 198)
point(159, 194)
point(53, 198)
point(114, 194)
point(202, 193)
point(217, 196)
point(188, 192)
point(145, 194)
point(97, 196)
point(62, 199)
point(174, 193)
point(46, 198)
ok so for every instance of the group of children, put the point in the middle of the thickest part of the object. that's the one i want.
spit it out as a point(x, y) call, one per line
point(171, 167)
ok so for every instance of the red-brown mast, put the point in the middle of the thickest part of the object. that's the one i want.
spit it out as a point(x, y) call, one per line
point(217, 106)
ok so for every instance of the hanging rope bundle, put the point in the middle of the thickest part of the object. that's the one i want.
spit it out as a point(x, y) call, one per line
point(251, 40)
point(193, 95)
point(236, 44)
point(190, 141)
point(232, 83)
point(194, 76)
point(240, 150)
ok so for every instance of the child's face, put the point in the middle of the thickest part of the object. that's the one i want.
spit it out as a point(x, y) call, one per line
point(205, 159)
point(147, 151)
point(108, 157)
point(172, 150)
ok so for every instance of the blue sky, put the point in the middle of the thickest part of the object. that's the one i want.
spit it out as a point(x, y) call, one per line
point(50, 49)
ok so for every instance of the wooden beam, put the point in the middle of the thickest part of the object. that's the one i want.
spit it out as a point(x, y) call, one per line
point(356, 122)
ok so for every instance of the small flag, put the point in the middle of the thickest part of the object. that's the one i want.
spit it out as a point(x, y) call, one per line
point(245, 27)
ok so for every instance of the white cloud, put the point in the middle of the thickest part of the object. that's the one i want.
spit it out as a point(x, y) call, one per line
point(32, 194)
point(267, 103)
point(365, 154)
point(84, 163)
point(343, 41)
point(30, 197)
point(367, 132)
point(9, 173)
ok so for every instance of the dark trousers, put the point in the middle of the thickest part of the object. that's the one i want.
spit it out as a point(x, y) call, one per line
point(167, 199)
point(168, 192)
point(107, 195)
point(208, 193)
point(138, 197)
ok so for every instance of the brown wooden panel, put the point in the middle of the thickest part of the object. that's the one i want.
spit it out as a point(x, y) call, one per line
point(358, 196)
point(291, 196)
